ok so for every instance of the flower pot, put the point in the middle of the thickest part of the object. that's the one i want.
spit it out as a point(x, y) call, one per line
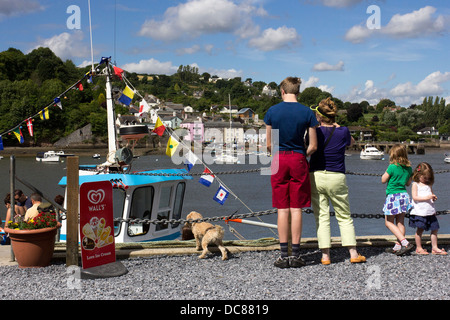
point(33, 248)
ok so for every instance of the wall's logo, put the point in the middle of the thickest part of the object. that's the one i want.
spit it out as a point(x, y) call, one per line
point(96, 196)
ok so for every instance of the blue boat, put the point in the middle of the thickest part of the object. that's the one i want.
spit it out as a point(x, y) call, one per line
point(139, 195)
point(142, 195)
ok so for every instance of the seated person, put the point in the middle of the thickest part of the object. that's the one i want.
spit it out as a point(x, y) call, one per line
point(22, 200)
point(8, 210)
point(36, 200)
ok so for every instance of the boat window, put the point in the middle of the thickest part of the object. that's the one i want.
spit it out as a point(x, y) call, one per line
point(178, 205)
point(164, 207)
point(141, 208)
point(162, 215)
point(118, 203)
point(164, 199)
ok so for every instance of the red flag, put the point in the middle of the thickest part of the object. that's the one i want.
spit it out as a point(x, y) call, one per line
point(159, 127)
point(80, 86)
point(118, 72)
point(30, 126)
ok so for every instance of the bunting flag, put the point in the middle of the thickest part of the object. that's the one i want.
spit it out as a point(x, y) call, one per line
point(159, 127)
point(44, 114)
point(104, 60)
point(190, 160)
point(118, 72)
point(143, 107)
point(172, 145)
point(221, 195)
point(1, 143)
point(58, 102)
point(127, 96)
point(89, 80)
point(30, 126)
point(207, 178)
point(80, 86)
point(19, 135)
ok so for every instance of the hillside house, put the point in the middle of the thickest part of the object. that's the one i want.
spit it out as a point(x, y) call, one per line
point(361, 133)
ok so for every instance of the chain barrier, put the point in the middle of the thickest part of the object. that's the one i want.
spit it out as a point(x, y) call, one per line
point(244, 215)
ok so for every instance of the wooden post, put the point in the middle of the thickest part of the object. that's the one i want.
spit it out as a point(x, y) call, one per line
point(72, 211)
point(12, 186)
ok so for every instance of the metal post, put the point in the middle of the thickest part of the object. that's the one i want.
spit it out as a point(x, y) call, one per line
point(72, 211)
point(12, 174)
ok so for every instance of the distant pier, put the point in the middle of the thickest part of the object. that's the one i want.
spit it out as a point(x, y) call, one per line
point(413, 148)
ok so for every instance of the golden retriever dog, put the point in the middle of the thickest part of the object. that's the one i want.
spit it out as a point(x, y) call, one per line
point(205, 233)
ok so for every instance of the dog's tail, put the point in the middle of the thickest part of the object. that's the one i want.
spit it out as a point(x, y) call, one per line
point(220, 231)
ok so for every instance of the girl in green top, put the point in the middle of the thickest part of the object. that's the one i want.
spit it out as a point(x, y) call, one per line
point(397, 176)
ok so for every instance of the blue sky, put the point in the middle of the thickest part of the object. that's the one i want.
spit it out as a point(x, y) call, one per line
point(402, 55)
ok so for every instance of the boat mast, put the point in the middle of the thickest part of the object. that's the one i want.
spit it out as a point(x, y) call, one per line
point(111, 118)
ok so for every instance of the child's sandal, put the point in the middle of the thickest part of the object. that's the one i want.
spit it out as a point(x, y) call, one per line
point(441, 252)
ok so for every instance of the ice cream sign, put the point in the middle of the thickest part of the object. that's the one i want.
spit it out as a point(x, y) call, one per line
point(96, 224)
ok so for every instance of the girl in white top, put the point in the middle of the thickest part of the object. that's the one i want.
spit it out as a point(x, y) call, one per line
point(423, 215)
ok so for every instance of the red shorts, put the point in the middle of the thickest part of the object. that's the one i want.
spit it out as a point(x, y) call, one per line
point(291, 187)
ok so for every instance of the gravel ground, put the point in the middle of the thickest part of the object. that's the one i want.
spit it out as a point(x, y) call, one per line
point(245, 276)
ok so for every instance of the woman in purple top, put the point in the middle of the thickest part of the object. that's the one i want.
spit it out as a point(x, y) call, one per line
point(329, 184)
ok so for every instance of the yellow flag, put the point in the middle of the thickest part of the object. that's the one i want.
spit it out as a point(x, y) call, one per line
point(44, 114)
point(172, 145)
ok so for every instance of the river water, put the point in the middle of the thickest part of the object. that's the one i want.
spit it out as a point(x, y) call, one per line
point(367, 193)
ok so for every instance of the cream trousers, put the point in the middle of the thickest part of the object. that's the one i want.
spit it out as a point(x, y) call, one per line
point(326, 187)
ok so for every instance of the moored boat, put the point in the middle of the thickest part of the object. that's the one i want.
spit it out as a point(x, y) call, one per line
point(447, 158)
point(49, 156)
point(369, 152)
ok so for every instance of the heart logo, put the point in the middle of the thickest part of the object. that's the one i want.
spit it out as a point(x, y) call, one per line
point(95, 197)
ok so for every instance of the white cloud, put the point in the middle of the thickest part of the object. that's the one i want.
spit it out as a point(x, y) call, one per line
point(430, 86)
point(370, 93)
point(18, 7)
point(325, 66)
point(194, 49)
point(208, 49)
point(272, 39)
point(312, 82)
point(151, 66)
point(404, 94)
point(197, 17)
point(66, 45)
point(410, 25)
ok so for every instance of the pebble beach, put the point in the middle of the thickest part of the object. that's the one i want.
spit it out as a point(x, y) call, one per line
point(245, 276)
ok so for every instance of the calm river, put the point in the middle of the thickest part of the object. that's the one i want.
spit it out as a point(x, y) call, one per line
point(367, 193)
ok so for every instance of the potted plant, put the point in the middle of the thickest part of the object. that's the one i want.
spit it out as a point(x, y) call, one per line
point(33, 241)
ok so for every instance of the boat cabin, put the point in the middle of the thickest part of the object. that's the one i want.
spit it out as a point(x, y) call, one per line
point(142, 196)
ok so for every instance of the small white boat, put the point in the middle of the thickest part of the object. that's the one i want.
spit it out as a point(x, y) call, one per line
point(49, 156)
point(369, 152)
point(447, 158)
point(226, 158)
point(96, 156)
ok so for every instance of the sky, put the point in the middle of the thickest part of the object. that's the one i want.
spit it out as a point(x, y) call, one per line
point(355, 49)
